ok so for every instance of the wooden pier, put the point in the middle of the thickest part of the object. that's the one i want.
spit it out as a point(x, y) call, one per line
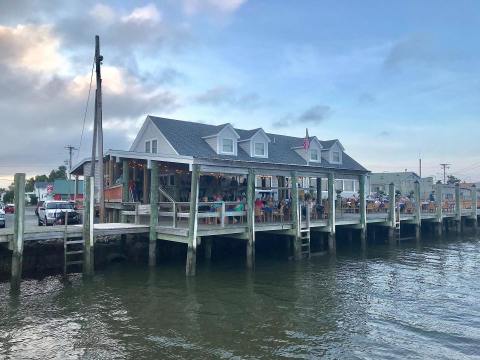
point(191, 222)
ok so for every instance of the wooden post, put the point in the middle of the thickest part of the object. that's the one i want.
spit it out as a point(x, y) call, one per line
point(111, 180)
point(125, 192)
point(193, 223)
point(18, 231)
point(76, 190)
point(391, 212)
point(418, 210)
point(458, 209)
point(363, 210)
point(331, 213)
point(319, 190)
point(152, 248)
point(145, 184)
point(296, 217)
point(474, 206)
point(222, 214)
point(251, 219)
point(438, 202)
point(88, 236)
point(137, 218)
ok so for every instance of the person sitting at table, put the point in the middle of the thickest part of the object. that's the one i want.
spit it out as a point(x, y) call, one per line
point(239, 207)
point(259, 206)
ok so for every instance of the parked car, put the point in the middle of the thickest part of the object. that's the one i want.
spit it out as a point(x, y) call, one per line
point(2, 218)
point(9, 209)
point(53, 213)
point(39, 205)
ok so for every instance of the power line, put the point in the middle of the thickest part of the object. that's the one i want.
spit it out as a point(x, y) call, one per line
point(86, 108)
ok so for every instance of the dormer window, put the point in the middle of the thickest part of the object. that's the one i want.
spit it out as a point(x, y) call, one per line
point(336, 156)
point(147, 146)
point(259, 149)
point(151, 146)
point(314, 155)
point(227, 146)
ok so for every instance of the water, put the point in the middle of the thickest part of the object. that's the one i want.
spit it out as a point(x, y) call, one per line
point(409, 302)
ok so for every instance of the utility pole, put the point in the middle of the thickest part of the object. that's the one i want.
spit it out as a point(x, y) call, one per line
point(420, 167)
point(97, 143)
point(445, 167)
point(70, 149)
point(98, 62)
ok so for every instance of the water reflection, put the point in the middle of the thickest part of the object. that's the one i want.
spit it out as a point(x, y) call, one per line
point(414, 300)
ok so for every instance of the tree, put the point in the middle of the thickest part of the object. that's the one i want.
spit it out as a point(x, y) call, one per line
point(452, 180)
point(60, 173)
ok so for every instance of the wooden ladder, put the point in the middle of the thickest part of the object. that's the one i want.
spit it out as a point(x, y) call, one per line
point(73, 253)
point(305, 241)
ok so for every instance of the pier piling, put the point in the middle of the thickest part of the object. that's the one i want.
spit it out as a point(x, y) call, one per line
point(152, 238)
point(190, 267)
point(88, 221)
point(18, 231)
point(251, 219)
point(332, 246)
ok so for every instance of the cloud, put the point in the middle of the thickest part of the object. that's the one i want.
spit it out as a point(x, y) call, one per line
point(366, 98)
point(315, 114)
point(145, 14)
point(41, 107)
point(227, 96)
point(417, 48)
point(218, 6)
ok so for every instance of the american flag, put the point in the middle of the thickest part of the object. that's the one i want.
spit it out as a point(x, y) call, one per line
point(306, 141)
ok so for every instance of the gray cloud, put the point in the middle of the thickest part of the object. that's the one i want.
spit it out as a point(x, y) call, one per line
point(227, 96)
point(315, 114)
point(418, 48)
point(366, 98)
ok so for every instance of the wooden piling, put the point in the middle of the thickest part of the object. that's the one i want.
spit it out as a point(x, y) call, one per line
point(152, 244)
point(251, 219)
point(391, 213)
point(474, 206)
point(363, 211)
point(125, 192)
point(418, 210)
point(332, 246)
point(296, 218)
point(193, 223)
point(208, 248)
point(18, 231)
point(88, 221)
point(458, 210)
point(438, 203)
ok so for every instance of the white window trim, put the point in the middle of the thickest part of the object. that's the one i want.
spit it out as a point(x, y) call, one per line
point(319, 155)
point(227, 152)
point(340, 157)
point(150, 141)
point(265, 149)
point(149, 147)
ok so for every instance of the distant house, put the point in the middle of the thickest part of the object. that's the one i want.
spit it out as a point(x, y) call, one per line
point(403, 181)
point(65, 189)
point(41, 190)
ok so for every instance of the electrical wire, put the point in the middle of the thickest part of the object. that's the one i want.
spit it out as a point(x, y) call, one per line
point(86, 108)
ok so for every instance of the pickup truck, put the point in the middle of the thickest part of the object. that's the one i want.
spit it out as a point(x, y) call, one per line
point(53, 213)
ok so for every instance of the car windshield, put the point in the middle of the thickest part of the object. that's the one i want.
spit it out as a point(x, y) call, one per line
point(60, 206)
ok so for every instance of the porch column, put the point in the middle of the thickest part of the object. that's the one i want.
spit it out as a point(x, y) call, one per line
point(18, 231)
point(474, 206)
point(438, 202)
point(418, 210)
point(363, 210)
point(296, 218)
point(251, 219)
point(458, 209)
point(319, 190)
point(193, 223)
point(391, 212)
point(125, 179)
point(111, 179)
point(88, 225)
point(152, 245)
point(145, 184)
point(331, 213)
point(76, 189)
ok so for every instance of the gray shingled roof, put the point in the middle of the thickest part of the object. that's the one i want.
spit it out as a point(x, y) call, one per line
point(187, 139)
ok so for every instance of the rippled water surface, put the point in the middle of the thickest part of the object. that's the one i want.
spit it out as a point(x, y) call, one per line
point(408, 301)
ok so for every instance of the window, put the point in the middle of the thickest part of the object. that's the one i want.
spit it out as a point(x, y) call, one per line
point(147, 146)
point(227, 146)
point(336, 156)
point(348, 185)
point(154, 146)
point(259, 149)
point(314, 155)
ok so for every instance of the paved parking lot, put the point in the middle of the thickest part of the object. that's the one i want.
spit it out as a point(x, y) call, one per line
point(30, 218)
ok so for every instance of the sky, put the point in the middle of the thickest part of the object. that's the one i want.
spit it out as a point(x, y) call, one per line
point(393, 80)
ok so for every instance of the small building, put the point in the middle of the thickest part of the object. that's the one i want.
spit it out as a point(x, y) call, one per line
point(67, 189)
point(404, 182)
point(42, 190)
